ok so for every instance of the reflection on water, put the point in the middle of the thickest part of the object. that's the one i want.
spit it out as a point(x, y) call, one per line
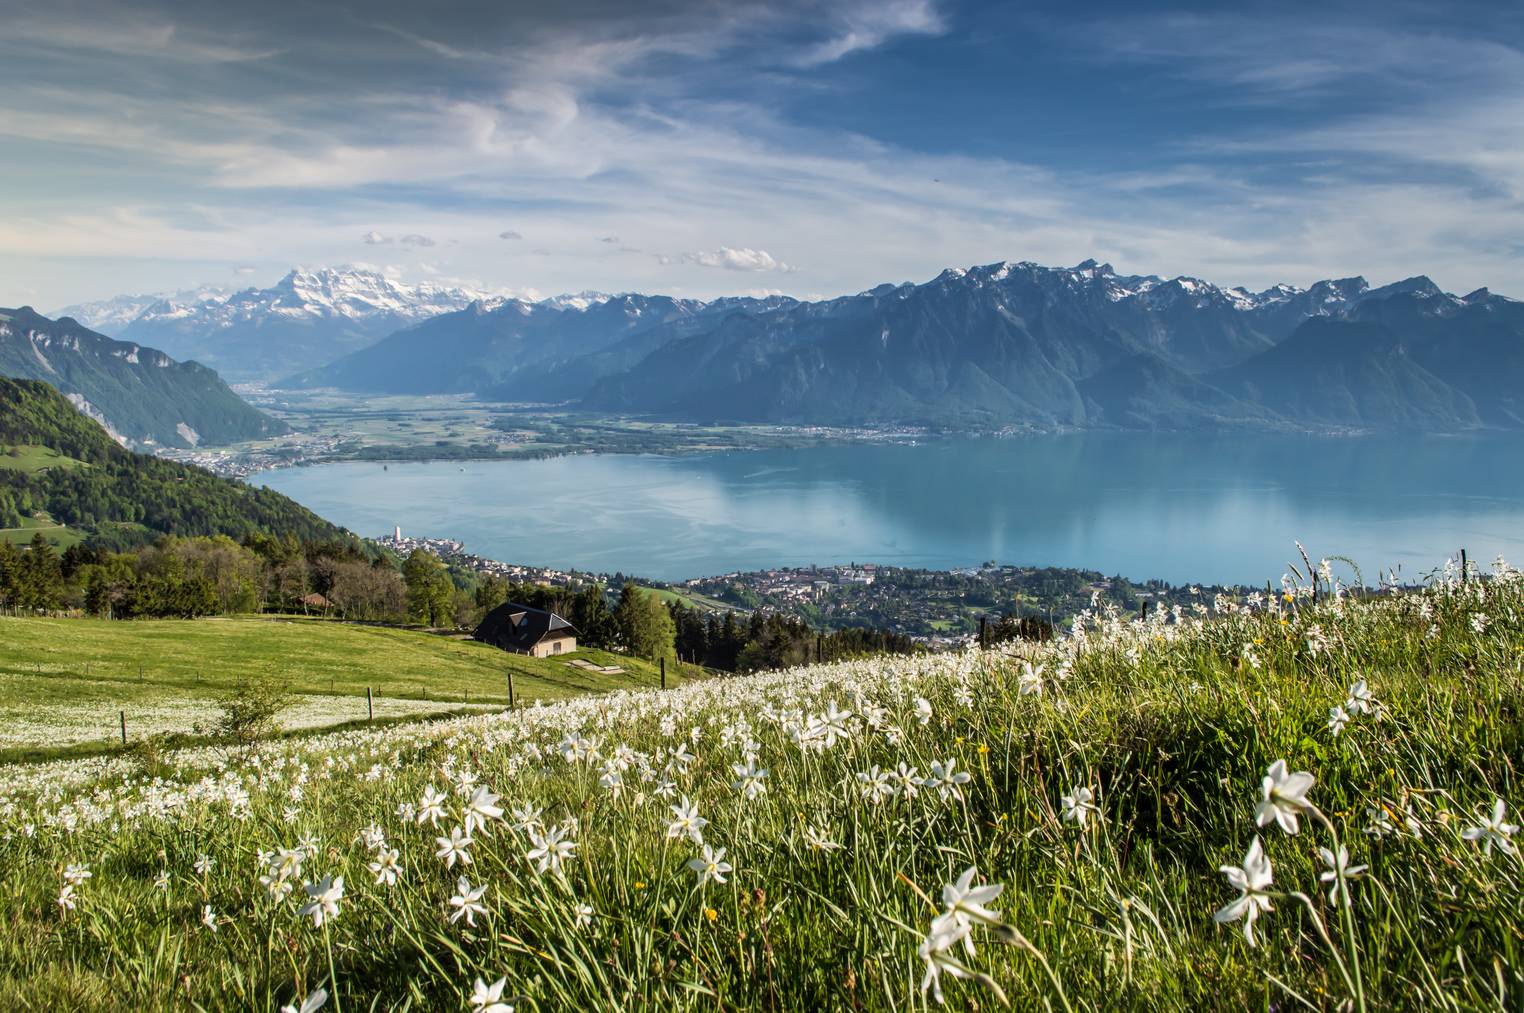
point(1182, 507)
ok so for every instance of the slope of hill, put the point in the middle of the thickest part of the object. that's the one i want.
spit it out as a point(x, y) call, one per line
point(139, 393)
point(810, 839)
point(65, 679)
point(308, 318)
point(120, 498)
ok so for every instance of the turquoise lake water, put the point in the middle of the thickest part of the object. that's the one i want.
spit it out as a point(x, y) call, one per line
point(1209, 508)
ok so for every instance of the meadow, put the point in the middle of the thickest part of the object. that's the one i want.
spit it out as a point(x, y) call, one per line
point(65, 681)
point(1301, 801)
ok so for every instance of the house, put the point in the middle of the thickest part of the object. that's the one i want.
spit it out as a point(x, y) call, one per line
point(315, 601)
point(524, 630)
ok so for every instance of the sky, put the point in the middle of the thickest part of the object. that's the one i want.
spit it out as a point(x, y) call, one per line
point(701, 147)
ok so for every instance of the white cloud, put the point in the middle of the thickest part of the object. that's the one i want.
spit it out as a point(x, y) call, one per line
point(869, 25)
point(374, 238)
point(509, 234)
point(414, 239)
point(741, 259)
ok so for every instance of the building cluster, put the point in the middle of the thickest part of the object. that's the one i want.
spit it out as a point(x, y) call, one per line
point(789, 584)
point(452, 551)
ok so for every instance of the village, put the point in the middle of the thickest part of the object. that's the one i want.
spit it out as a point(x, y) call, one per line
point(941, 609)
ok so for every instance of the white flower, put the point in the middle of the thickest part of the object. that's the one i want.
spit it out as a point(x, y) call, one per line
point(431, 808)
point(489, 998)
point(75, 875)
point(922, 710)
point(1030, 682)
point(710, 866)
point(203, 864)
point(1334, 865)
point(582, 915)
point(311, 1004)
point(161, 881)
point(874, 784)
point(1338, 717)
point(209, 917)
point(467, 902)
point(945, 781)
point(67, 899)
point(1284, 797)
point(1493, 831)
point(325, 896)
point(1252, 880)
point(526, 816)
point(686, 822)
point(386, 867)
point(750, 779)
point(1479, 622)
point(1079, 805)
point(1360, 700)
point(454, 848)
point(964, 906)
point(936, 951)
point(480, 808)
point(550, 848)
point(818, 841)
point(833, 725)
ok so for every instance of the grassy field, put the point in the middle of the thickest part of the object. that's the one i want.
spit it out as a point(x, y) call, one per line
point(61, 537)
point(63, 681)
point(30, 459)
point(702, 602)
point(1130, 817)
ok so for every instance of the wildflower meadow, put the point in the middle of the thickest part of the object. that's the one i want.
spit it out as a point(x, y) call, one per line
point(1305, 799)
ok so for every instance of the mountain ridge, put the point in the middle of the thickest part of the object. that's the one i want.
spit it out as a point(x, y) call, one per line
point(143, 396)
point(1012, 343)
point(307, 318)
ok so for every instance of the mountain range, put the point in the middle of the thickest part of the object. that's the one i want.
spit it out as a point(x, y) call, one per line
point(256, 335)
point(993, 346)
point(143, 397)
point(1008, 344)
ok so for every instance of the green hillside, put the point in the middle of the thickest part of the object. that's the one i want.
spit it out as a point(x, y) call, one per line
point(56, 462)
point(139, 392)
point(63, 682)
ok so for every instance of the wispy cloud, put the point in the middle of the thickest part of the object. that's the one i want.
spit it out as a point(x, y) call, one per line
point(1286, 146)
point(864, 26)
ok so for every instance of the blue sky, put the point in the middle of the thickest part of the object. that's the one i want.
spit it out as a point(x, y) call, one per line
point(703, 148)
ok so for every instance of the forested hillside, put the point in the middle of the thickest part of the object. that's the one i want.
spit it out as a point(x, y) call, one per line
point(115, 497)
point(142, 394)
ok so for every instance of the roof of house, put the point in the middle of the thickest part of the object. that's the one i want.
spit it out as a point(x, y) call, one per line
point(516, 627)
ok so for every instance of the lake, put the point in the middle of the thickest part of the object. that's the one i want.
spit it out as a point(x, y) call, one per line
point(1182, 507)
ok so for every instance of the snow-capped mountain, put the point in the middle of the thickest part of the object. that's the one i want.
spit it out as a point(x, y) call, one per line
point(308, 318)
point(111, 316)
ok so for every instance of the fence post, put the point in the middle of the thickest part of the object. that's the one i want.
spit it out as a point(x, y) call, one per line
point(122, 717)
point(1463, 566)
point(663, 671)
point(511, 705)
point(370, 706)
point(984, 637)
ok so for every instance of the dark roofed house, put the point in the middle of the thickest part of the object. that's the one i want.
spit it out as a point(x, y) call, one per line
point(523, 630)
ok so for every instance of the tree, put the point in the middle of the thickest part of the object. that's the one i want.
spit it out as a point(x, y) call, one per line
point(41, 583)
point(430, 591)
point(644, 624)
point(595, 623)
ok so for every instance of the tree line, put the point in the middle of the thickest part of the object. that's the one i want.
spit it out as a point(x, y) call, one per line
point(347, 579)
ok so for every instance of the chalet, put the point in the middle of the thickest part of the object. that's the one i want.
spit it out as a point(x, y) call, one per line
point(523, 630)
